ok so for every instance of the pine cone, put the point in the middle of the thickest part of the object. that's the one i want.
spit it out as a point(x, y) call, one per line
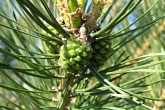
point(74, 55)
point(52, 47)
point(101, 49)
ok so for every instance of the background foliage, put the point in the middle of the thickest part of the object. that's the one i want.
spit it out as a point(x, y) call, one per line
point(132, 78)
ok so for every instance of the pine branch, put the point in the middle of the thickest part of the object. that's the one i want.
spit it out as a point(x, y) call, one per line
point(43, 75)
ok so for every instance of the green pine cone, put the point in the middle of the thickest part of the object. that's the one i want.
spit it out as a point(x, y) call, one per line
point(74, 55)
point(101, 49)
point(52, 47)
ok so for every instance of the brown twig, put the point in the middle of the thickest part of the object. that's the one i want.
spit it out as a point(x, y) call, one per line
point(151, 37)
point(159, 104)
point(116, 8)
point(67, 99)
